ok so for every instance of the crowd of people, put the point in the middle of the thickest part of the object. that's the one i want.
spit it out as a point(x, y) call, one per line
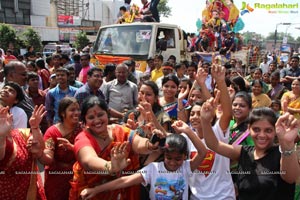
point(179, 130)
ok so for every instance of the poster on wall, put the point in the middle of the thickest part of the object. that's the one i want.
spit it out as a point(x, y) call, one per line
point(68, 20)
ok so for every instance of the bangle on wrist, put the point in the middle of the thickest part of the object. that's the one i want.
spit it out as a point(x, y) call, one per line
point(180, 110)
point(287, 152)
point(35, 127)
point(107, 168)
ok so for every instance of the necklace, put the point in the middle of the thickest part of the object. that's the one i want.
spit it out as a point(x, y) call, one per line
point(98, 136)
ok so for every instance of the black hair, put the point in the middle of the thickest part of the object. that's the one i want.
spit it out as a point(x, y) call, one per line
point(188, 81)
point(275, 74)
point(90, 102)
point(257, 81)
point(40, 63)
point(123, 8)
point(176, 143)
point(240, 83)
point(156, 106)
point(262, 113)
point(31, 75)
point(167, 64)
point(63, 105)
point(20, 95)
point(170, 77)
point(62, 69)
point(245, 96)
point(92, 70)
point(76, 57)
point(160, 57)
point(85, 55)
point(70, 67)
point(172, 57)
point(193, 64)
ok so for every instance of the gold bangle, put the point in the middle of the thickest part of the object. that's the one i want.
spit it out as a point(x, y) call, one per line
point(107, 168)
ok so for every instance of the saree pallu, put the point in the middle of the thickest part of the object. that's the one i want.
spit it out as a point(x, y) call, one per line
point(19, 177)
point(85, 179)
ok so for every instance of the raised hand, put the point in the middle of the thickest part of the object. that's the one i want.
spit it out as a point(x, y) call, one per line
point(218, 72)
point(6, 121)
point(287, 129)
point(180, 126)
point(37, 116)
point(88, 193)
point(183, 94)
point(201, 76)
point(119, 156)
point(65, 144)
point(35, 146)
point(131, 122)
point(208, 109)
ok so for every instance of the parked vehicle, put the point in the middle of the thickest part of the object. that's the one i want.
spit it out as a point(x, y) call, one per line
point(50, 48)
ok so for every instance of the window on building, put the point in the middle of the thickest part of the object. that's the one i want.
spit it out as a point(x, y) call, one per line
point(16, 6)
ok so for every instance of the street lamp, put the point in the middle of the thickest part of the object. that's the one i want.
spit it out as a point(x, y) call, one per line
point(285, 24)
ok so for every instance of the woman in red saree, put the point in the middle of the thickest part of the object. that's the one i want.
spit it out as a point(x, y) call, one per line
point(58, 154)
point(19, 177)
point(94, 149)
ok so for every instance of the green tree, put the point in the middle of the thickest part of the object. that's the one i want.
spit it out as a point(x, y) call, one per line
point(81, 40)
point(32, 38)
point(7, 35)
point(163, 8)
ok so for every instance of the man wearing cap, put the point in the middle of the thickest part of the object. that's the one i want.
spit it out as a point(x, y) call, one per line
point(288, 75)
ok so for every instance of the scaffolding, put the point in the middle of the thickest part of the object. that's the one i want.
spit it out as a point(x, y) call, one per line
point(73, 8)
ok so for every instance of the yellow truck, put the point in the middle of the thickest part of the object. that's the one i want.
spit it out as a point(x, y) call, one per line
point(139, 41)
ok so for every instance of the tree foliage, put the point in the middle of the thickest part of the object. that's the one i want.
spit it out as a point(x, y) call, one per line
point(163, 8)
point(7, 35)
point(81, 40)
point(280, 36)
point(32, 38)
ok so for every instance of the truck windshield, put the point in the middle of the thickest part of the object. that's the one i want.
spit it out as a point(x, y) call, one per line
point(124, 40)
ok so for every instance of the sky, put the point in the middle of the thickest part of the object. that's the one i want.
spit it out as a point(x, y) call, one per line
point(186, 12)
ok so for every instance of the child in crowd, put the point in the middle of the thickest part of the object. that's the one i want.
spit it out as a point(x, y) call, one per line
point(169, 178)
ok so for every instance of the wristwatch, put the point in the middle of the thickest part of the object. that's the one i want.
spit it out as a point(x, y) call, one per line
point(287, 152)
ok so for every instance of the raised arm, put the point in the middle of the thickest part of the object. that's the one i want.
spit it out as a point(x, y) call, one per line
point(91, 161)
point(207, 114)
point(181, 112)
point(200, 79)
point(36, 142)
point(218, 73)
point(122, 182)
point(6, 125)
point(182, 127)
point(287, 131)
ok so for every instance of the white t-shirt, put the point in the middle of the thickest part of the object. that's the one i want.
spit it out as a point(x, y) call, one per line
point(264, 67)
point(212, 180)
point(19, 117)
point(164, 184)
